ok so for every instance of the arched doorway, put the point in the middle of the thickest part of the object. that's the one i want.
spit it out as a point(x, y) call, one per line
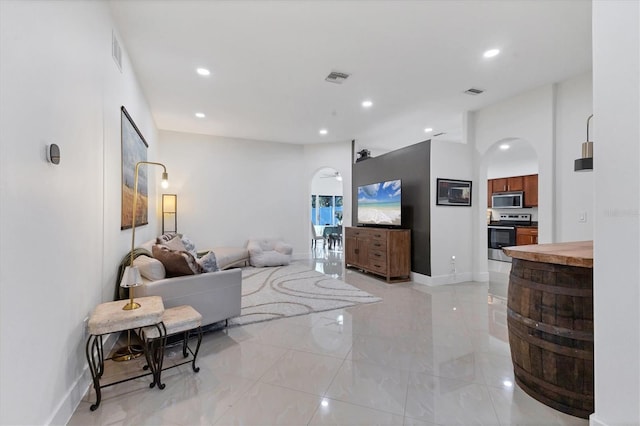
point(327, 209)
point(507, 159)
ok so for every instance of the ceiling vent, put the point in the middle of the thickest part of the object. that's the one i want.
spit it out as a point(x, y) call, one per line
point(337, 77)
point(473, 91)
point(439, 134)
point(116, 51)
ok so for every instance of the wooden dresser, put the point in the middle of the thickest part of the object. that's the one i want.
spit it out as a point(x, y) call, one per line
point(380, 251)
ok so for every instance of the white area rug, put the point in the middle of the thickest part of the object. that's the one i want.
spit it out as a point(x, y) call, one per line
point(285, 291)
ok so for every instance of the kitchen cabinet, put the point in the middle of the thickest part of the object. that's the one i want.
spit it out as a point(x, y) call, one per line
point(499, 185)
point(515, 183)
point(526, 236)
point(385, 252)
point(527, 184)
point(530, 188)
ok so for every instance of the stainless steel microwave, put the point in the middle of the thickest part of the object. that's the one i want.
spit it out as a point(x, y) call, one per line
point(508, 200)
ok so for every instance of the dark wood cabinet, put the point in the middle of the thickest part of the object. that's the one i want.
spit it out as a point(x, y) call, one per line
point(500, 185)
point(530, 190)
point(528, 184)
point(384, 252)
point(526, 236)
point(489, 192)
point(515, 183)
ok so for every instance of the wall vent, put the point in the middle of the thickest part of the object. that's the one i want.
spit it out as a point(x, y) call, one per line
point(337, 77)
point(116, 51)
point(473, 91)
point(439, 134)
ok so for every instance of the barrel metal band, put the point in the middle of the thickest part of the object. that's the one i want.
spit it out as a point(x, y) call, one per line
point(551, 289)
point(551, 329)
point(551, 347)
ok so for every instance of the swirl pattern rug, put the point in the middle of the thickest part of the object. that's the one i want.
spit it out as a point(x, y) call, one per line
point(286, 291)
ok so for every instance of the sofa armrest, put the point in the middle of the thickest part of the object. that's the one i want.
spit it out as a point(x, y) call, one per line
point(216, 295)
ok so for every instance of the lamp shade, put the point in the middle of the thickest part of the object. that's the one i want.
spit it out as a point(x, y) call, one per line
point(169, 203)
point(131, 277)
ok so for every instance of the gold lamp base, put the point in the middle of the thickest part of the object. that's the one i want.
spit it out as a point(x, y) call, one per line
point(127, 353)
point(131, 306)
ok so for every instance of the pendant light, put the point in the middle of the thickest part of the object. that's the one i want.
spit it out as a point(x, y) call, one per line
point(585, 163)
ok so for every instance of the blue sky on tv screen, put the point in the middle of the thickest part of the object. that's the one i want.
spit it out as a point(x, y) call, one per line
point(383, 192)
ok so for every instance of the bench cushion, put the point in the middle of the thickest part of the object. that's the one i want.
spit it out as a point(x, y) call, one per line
point(176, 320)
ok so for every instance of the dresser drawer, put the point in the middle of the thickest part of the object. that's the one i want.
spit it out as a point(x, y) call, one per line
point(378, 266)
point(377, 255)
point(378, 244)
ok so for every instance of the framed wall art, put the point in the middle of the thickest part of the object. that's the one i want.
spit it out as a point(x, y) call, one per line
point(134, 149)
point(452, 192)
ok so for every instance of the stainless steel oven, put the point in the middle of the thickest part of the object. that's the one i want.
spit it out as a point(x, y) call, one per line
point(501, 236)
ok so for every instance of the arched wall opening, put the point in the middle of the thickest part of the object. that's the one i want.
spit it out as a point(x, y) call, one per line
point(506, 157)
point(326, 201)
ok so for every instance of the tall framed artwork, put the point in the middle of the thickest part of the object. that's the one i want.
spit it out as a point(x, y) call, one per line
point(134, 149)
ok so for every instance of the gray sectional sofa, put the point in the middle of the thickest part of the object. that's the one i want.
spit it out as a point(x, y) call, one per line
point(216, 295)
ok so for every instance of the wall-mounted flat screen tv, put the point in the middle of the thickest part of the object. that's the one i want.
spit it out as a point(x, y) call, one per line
point(380, 203)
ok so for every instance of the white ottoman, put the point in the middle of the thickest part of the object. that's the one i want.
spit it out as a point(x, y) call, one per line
point(181, 319)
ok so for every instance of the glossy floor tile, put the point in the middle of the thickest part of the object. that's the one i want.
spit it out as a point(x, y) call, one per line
point(423, 356)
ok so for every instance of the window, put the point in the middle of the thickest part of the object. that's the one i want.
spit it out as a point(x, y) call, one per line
point(326, 209)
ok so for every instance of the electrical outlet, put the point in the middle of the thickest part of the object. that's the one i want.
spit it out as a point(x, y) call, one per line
point(453, 264)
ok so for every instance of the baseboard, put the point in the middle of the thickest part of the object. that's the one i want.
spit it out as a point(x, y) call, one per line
point(595, 421)
point(441, 279)
point(78, 389)
point(481, 276)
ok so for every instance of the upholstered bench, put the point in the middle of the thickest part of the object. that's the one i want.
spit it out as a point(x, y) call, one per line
point(181, 319)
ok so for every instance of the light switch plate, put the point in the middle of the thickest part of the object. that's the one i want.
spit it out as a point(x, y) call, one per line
point(582, 217)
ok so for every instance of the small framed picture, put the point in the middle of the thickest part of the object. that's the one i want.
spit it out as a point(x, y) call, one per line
point(452, 192)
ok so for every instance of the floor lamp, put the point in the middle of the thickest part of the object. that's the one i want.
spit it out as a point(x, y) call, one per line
point(131, 277)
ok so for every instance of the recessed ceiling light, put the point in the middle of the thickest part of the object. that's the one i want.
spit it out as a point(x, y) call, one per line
point(491, 53)
point(367, 104)
point(203, 71)
point(323, 131)
point(428, 130)
point(200, 115)
point(504, 146)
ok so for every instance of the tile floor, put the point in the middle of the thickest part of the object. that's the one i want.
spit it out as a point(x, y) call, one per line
point(422, 356)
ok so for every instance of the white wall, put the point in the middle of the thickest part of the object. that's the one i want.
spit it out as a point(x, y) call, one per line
point(550, 118)
point(232, 189)
point(451, 227)
point(59, 225)
point(616, 177)
point(574, 190)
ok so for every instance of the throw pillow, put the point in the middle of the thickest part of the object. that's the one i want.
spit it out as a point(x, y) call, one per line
point(175, 244)
point(150, 268)
point(189, 246)
point(208, 262)
point(167, 236)
point(176, 263)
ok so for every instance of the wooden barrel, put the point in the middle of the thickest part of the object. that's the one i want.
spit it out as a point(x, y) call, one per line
point(550, 322)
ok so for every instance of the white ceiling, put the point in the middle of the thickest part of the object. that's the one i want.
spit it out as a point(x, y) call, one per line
point(413, 59)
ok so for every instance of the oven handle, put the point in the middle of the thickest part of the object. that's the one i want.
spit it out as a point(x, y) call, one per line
point(501, 227)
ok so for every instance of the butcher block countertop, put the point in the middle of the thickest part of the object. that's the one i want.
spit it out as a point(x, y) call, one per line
point(578, 253)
